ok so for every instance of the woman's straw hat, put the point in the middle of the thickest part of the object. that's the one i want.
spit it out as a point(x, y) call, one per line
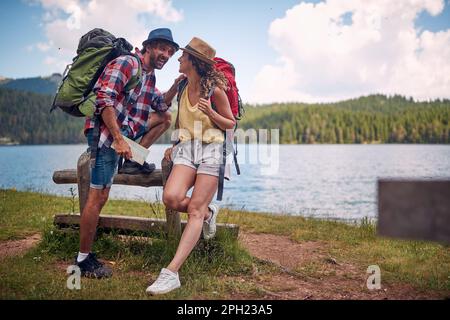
point(200, 49)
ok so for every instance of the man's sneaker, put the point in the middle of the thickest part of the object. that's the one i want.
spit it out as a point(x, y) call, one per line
point(209, 226)
point(92, 268)
point(166, 282)
point(131, 167)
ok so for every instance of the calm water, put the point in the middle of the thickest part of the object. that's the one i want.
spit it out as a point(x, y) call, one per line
point(333, 181)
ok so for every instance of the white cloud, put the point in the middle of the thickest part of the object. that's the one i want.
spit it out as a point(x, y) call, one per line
point(44, 47)
point(336, 49)
point(65, 21)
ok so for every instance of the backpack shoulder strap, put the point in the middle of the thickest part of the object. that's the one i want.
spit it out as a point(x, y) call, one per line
point(181, 86)
point(135, 79)
point(210, 95)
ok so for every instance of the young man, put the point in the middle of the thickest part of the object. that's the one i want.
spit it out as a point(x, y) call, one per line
point(138, 113)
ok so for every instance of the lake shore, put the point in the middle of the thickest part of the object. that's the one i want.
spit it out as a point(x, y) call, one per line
point(8, 142)
point(275, 257)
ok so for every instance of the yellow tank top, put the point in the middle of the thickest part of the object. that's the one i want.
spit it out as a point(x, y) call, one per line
point(194, 124)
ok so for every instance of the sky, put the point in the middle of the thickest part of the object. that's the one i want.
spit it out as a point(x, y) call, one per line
point(283, 51)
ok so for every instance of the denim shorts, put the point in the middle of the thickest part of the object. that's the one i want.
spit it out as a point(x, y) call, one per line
point(107, 160)
point(106, 163)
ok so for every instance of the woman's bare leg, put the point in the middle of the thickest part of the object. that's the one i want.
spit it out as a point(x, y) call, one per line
point(180, 180)
point(204, 189)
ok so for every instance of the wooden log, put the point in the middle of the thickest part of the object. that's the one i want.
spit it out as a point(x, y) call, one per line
point(414, 209)
point(143, 180)
point(129, 224)
point(83, 178)
point(172, 217)
point(65, 176)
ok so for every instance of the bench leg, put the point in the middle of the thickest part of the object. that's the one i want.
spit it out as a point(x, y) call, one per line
point(83, 178)
point(172, 217)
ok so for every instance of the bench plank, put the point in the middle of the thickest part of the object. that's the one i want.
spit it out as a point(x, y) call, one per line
point(129, 224)
point(143, 180)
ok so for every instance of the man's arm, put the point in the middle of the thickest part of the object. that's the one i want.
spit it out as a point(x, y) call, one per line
point(110, 119)
point(162, 102)
point(112, 81)
point(171, 93)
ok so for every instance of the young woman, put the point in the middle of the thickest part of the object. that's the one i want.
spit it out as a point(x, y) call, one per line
point(197, 156)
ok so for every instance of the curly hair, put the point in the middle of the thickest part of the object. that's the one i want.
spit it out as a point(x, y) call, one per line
point(210, 76)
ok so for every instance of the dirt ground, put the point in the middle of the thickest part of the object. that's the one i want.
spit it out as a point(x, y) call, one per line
point(336, 280)
point(17, 247)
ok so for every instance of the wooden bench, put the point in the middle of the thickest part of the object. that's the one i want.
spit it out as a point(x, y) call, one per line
point(172, 226)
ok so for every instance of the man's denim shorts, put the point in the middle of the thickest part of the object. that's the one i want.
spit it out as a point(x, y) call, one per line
point(102, 174)
point(107, 160)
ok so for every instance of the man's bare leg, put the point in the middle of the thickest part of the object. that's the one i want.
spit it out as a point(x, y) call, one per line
point(86, 261)
point(158, 124)
point(89, 217)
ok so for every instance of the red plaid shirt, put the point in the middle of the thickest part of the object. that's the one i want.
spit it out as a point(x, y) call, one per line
point(133, 107)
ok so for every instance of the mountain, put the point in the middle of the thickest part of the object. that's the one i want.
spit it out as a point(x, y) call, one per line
point(42, 85)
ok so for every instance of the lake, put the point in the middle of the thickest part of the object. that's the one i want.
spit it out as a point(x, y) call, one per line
point(324, 181)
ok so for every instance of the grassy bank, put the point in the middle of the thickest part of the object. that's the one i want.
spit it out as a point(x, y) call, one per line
point(217, 269)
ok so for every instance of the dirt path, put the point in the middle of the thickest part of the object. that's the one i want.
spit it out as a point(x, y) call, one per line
point(17, 247)
point(307, 272)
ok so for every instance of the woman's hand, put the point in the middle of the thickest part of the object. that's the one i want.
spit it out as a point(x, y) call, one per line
point(168, 154)
point(221, 115)
point(205, 106)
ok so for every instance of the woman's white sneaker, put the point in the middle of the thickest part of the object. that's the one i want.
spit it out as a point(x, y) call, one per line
point(166, 282)
point(209, 226)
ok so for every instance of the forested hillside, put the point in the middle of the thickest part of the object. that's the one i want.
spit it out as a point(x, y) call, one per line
point(372, 119)
point(25, 119)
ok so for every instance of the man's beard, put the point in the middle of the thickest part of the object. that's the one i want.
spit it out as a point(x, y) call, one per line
point(157, 62)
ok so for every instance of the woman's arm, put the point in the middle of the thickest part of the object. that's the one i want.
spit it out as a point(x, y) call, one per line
point(223, 117)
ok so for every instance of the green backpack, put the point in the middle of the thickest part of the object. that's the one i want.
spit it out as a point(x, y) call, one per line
point(95, 50)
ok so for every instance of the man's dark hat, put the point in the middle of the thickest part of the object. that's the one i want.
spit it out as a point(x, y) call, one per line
point(161, 34)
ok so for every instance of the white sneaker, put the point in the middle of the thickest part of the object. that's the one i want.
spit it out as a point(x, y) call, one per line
point(209, 226)
point(166, 282)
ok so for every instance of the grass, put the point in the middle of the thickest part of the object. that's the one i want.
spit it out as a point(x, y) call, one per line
point(216, 269)
point(423, 264)
point(40, 274)
point(136, 262)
